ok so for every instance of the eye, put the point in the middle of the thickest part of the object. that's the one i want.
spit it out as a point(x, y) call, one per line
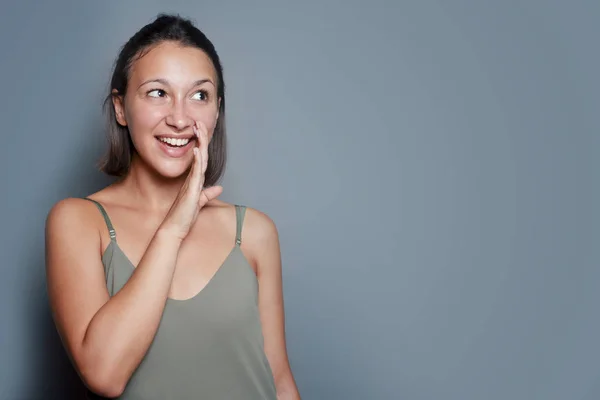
point(201, 95)
point(156, 93)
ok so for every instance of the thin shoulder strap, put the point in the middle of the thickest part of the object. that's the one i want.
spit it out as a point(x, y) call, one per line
point(240, 211)
point(111, 230)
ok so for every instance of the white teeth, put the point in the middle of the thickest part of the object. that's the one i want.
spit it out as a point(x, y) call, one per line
point(175, 142)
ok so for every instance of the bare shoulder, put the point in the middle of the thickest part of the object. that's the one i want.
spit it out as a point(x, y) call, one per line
point(73, 225)
point(69, 213)
point(261, 240)
point(257, 225)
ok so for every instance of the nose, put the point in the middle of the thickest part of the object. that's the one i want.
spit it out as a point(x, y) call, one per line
point(178, 118)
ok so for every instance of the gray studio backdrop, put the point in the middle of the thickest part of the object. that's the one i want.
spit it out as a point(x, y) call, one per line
point(431, 166)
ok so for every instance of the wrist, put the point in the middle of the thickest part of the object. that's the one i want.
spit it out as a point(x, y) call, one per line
point(170, 235)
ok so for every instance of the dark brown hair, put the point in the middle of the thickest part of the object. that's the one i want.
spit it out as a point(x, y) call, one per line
point(165, 27)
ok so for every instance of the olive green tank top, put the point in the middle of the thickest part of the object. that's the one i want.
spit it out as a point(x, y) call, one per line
point(207, 347)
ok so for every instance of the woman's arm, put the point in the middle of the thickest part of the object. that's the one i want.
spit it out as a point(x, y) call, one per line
point(106, 338)
point(263, 241)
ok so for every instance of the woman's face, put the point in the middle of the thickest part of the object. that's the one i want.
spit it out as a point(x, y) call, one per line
point(170, 88)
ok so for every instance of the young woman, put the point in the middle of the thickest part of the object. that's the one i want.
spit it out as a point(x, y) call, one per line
point(158, 289)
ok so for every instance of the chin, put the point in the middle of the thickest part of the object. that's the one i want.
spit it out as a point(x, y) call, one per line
point(172, 170)
point(169, 164)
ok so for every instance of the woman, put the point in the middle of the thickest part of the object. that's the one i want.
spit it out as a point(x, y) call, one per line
point(158, 289)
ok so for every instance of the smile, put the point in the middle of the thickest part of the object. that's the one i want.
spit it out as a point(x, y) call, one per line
point(174, 142)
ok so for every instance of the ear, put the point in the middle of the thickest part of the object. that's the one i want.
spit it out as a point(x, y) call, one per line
point(117, 101)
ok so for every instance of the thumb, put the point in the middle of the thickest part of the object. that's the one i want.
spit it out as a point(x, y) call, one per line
point(210, 193)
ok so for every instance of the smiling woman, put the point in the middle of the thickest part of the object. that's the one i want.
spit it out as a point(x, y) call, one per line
point(188, 302)
point(159, 90)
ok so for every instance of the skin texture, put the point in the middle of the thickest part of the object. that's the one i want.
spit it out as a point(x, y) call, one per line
point(175, 232)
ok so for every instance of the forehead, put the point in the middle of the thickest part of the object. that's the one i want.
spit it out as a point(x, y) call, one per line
point(173, 62)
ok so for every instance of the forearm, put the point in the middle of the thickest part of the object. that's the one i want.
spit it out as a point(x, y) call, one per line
point(120, 333)
point(286, 387)
point(288, 393)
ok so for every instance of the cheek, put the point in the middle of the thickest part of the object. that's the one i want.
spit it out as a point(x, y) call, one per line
point(142, 120)
point(210, 121)
point(211, 128)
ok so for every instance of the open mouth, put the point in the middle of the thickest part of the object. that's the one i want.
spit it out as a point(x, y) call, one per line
point(175, 142)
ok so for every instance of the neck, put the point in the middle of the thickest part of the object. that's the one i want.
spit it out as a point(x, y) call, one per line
point(150, 190)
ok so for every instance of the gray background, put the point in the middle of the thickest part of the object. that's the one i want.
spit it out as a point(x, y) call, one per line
point(432, 167)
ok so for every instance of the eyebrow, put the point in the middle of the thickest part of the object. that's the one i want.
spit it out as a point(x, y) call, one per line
point(166, 83)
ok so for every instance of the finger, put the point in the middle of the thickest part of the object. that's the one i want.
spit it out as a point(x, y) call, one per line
point(196, 180)
point(210, 193)
point(197, 134)
point(202, 143)
point(203, 132)
point(200, 129)
point(197, 146)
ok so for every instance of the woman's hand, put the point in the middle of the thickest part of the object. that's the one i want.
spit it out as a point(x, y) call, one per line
point(193, 195)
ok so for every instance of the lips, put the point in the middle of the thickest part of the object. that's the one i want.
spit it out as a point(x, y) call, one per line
point(175, 146)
